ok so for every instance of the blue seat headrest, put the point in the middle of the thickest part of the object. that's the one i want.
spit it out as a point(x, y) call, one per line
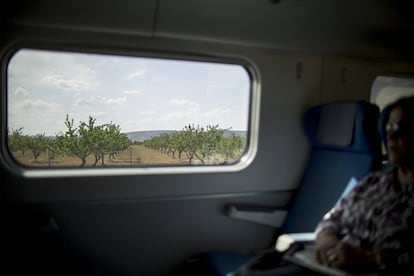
point(343, 126)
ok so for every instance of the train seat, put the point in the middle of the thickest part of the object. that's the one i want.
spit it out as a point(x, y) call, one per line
point(345, 144)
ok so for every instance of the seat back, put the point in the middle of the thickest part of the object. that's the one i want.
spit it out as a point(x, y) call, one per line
point(345, 143)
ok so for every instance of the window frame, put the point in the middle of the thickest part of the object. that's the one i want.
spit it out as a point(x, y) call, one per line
point(243, 162)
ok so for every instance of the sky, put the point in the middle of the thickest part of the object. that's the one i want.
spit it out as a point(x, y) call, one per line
point(135, 93)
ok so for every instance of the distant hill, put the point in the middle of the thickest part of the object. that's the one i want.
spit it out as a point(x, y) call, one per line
point(140, 136)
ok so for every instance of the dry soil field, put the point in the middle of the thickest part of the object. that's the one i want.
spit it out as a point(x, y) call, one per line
point(136, 155)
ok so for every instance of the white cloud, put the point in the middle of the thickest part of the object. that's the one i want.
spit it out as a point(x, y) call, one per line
point(181, 102)
point(132, 92)
point(99, 114)
point(98, 100)
point(136, 74)
point(52, 69)
point(115, 100)
point(216, 112)
point(20, 90)
point(69, 83)
point(37, 104)
point(181, 114)
point(148, 112)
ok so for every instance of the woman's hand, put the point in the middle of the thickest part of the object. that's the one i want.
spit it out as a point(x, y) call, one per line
point(331, 251)
point(326, 246)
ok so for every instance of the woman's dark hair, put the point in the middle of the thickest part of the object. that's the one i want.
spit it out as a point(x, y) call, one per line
point(407, 104)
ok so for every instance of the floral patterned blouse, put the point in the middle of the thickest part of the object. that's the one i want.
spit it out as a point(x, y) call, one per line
point(378, 215)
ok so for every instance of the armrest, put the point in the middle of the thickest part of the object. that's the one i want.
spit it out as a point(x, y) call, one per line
point(284, 241)
point(269, 216)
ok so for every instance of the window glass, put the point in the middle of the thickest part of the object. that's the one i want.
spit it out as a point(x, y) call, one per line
point(387, 89)
point(70, 109)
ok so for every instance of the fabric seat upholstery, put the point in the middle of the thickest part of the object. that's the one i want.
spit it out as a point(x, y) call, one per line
point(344, 143)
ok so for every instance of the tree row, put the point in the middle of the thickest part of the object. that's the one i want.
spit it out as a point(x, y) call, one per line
point(198, 142)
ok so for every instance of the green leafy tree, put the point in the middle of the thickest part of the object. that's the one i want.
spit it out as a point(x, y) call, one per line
point(200, 143)
point(177, 143)
point(193, 138)
point(75, 141)
point(231, 146)
point(91, 139)
point(211, 141)
point(115, 141)
point(37, 144)
point(18, 141)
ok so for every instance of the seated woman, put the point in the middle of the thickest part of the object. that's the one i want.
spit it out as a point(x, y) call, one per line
point(373, 227)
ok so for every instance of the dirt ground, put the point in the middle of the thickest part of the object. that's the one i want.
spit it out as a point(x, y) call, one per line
point(136, 155)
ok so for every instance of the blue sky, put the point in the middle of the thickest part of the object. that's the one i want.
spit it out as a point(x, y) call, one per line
point(135, 93)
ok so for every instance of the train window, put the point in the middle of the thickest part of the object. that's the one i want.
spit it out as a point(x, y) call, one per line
point(387, 89)
point(100, 112)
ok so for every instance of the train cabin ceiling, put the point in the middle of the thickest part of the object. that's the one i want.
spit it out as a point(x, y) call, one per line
point(369, 28)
